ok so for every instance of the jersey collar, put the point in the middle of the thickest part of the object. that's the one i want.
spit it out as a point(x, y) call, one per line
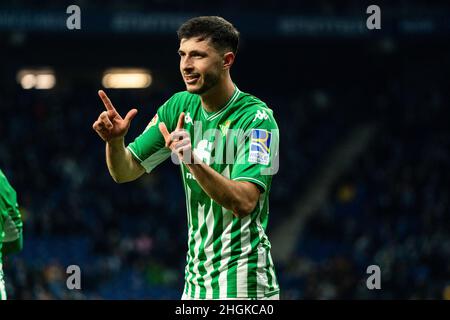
point(215, 115)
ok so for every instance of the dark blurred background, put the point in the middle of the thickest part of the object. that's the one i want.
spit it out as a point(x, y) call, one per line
point(365, 146)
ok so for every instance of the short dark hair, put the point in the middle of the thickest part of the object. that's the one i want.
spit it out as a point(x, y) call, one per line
point(222, 34)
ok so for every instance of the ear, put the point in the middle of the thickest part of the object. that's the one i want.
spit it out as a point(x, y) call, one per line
point(228, 60)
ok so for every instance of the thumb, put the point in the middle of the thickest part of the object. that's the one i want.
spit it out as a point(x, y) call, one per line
point(165, 133)
point(130, 115)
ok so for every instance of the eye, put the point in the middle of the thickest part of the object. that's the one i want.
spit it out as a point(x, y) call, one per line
point(198, 55)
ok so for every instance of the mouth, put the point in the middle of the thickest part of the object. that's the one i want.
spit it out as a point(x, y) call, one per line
point(191, 78)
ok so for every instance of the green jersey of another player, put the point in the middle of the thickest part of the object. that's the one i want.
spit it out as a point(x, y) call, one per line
point(228, 257)
point(10, 225)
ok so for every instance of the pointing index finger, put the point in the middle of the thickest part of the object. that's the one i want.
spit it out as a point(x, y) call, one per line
point(180, 123)
point(106, 101)
point(165, 133)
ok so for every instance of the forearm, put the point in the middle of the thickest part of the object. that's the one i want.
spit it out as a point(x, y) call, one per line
point(13, 246)
point(120, 162)
point(239, 197)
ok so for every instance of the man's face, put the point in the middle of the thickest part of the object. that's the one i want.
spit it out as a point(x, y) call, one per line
point(201, 65)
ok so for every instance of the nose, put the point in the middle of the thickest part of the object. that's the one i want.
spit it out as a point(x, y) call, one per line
point(186, 64)
point(188, 69)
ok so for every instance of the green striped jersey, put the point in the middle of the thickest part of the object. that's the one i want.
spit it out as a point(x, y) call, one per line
point(227, 257)
point(10, 217)
point(10, 225)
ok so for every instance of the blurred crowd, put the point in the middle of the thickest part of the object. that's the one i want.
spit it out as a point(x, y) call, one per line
point(390, 210)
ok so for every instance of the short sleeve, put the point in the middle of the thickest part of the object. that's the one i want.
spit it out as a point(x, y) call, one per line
point(148, 148)
point(257, 150)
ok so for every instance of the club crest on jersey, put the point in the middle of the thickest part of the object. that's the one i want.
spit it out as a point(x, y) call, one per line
point(224, 127)
point(260, 146)
point(152, 122)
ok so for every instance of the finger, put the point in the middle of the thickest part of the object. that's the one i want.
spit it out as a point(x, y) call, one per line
point(180, 123)
point(130, 116)
point(185, 154)
point(96, 125)
point(179, 135)
point(106, 101)
point(104, 118)
point(165, 133)
point(183, 143)
point(184, 150)
point(99, 126)
point(111, 114)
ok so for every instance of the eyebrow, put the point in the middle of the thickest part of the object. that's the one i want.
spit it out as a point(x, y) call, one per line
point(193, 52)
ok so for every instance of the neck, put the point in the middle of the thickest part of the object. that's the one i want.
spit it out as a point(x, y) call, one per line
point(216, 98)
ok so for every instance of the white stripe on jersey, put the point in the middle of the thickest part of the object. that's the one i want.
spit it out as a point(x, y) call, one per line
point(272, 272)
point(226, 252)
point(2, 284)
point(262, 282)
point(242, 267)
point(267, 251)
point(198, 242)
point(188, 255)
point(2, 290)
point(226, 245)
point(209, 253)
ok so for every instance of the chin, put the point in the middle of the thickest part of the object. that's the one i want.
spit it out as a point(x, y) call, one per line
point(196, 90)
point(191, 90)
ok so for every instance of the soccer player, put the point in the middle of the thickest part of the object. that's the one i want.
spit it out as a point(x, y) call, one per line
point(11, 237)
point(226, 168)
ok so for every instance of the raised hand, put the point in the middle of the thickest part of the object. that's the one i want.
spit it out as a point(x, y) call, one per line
point(110, 125)
point(179, 141)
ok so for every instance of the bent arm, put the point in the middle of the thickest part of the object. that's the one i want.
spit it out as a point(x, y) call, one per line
point(120, 162)
point(240, 197)
point(14, 246)
point(13, 229)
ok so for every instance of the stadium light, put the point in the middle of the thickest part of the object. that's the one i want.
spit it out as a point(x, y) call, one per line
point(28, 81)
point(126, 78)
point(45, 81)
point(41, 79)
